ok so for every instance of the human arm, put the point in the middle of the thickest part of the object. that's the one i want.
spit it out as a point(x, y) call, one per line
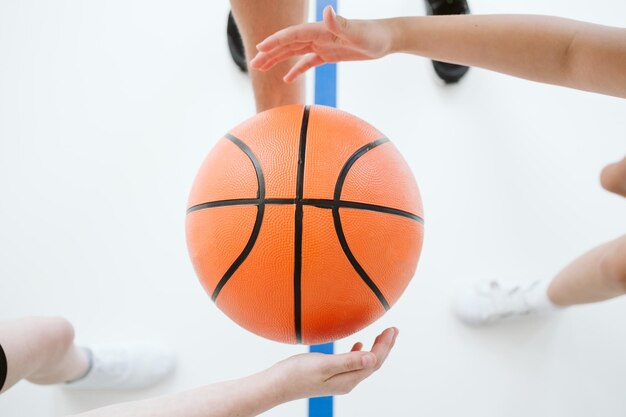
point(547, 49)
point(300, 376)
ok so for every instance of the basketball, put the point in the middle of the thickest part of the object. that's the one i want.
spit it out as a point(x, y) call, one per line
point(304, 224)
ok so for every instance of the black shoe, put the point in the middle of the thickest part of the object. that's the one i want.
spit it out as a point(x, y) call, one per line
point(450, 73)
point(235, 44)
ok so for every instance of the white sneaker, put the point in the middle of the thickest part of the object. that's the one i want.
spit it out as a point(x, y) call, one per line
point(125, 366)
point(492, 301)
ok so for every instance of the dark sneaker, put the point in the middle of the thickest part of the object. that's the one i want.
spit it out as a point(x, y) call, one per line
point(450, 73)
point(235, 43)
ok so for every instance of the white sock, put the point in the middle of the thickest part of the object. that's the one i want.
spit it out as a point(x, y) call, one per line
point(125, 366)
point(536, 295)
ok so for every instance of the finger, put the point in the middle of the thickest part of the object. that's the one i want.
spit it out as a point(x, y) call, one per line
point(334, 23)
point(383, 345)
point(261, 58)
point(303, 65)
point(289, 46)
point(284, 56)
point(305, 32)
point(357, 347)
point(349, 362)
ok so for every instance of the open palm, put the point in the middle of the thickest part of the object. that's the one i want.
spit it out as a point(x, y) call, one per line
point(333, 40)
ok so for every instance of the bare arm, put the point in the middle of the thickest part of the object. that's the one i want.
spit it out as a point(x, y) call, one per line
point(301, 376)
point(540, 48)
point(547, 49)
point(244, 397)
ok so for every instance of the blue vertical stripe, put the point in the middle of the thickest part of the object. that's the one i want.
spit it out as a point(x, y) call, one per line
point(326, 94)
point(325, 75)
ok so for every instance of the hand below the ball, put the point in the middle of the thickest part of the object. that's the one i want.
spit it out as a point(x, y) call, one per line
point(300, 376)
point(317, 374)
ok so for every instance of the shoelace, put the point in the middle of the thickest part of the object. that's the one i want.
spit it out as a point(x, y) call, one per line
point(509, 302)
point(112, 363)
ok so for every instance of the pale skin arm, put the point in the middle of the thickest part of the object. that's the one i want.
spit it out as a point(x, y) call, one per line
point(547, 49)
point(301, 376)
point(540, 48)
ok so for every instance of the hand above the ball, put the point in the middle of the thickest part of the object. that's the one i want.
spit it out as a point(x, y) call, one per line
point(333, 40)
point(524, 46)
point(316, 374)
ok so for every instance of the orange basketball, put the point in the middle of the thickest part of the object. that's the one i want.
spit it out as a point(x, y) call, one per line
point(304, 224)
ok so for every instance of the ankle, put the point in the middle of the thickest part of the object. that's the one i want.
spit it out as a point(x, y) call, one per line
point(538, 296)
point(75, 364)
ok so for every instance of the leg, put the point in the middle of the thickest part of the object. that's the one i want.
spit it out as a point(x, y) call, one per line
point(597, 275)
point(613, 177)
point(41, 350)
point(257, 20)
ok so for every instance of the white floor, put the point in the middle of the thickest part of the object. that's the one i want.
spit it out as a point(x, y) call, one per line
point(108, 108)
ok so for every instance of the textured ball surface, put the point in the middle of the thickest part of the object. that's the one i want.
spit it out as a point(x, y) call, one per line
point(304, 224)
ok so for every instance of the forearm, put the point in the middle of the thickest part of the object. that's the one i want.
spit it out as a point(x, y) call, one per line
point(244, 397)
point(301, 376)
point(540, 48)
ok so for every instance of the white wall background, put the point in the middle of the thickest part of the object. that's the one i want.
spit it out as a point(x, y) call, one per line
point(108, 108)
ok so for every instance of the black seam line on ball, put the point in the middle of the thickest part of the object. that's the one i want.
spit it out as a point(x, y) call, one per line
point(344, 171)
point(337, 220)
point(224, 203)
point(329, 204)
point(315, 202)
point(297, 261)
point(302, 154)
point(257, 222)
point(260, 193)
point(240, 202)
